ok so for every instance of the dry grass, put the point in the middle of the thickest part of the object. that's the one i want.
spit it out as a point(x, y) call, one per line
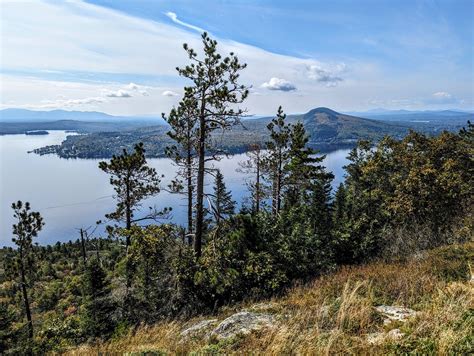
point(334, 314)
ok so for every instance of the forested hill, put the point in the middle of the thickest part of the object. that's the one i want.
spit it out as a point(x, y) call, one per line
point(324, 124)
point(327, 129)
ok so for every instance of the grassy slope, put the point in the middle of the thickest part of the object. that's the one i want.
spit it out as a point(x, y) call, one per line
point(335, 313)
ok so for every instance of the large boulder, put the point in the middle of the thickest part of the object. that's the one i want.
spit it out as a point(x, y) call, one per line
point(242, 323)
point(198, 329)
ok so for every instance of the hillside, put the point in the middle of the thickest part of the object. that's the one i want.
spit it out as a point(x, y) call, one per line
point(327, 130)
point(326, 125)
point(336, 313)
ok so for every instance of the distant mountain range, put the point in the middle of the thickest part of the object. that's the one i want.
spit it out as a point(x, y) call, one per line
point(327, 129)
point(433, 116)
point(24, 115)
point(18, 121)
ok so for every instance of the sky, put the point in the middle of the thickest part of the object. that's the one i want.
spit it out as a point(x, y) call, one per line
point(120, 57)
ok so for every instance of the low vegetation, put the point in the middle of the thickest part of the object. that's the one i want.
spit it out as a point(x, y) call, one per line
point(335, 314)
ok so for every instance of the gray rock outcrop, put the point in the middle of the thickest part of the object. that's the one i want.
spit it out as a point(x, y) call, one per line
point(242, 323)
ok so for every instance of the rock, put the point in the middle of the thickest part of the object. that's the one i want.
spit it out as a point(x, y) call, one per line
point(375, 338)
point(378, 338)
point(242, 323)
point(395, 334)
point(198, 328)
point(393, 313)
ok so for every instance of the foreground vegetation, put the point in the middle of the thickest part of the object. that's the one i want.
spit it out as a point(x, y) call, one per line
point(335, 314)
point(401, 197)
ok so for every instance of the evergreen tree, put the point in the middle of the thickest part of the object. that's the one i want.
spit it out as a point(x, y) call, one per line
point(340, 204)
point(304, 170)
point(468, 133)
point(98, 307)
point(254, 165)
point(7, 334)
point(222, 205)
point(277, 157)
point(182, 121)
point(133, 180)
point(29, 223)
point(214, 93)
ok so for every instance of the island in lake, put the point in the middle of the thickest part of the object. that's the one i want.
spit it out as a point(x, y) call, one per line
point(37, 132)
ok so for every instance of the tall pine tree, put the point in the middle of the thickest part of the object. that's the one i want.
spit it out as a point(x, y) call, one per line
point(133, 181)
point(29, 223)
point(254, 166)
point(182, 121)
point(222, 205)
point(214, 92)
point(276, 157)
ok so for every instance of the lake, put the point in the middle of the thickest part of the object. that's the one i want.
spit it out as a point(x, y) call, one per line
point(74, 193)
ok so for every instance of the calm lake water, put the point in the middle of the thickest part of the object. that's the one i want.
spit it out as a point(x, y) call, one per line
point(75, 193)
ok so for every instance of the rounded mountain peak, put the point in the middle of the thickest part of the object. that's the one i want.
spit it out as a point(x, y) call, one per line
point(322, 110)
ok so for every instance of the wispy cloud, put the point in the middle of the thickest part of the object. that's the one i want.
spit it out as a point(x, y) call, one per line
point(175, 19)
point(118, 94)
point(66, 103)
point(169, 93)
point(325, 76)
point(127, 91)
point(278, 84)
point(442, 97)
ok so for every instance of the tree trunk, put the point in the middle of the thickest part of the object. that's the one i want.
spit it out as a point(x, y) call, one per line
point(278, 185)
point(200, 185)
point(128, 216)
point(257, 185)
point(83, 246)
point(190, 196)
point(25, 297)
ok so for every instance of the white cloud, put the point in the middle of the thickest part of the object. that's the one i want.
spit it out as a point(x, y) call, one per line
point(66, 103)
point(442, 95)
point(133, 86)
point(127, 91)
point(175, 19)
point(143, 90)
point(330, 78)
point(118, 94)
point(169, 93)
point(278, 84)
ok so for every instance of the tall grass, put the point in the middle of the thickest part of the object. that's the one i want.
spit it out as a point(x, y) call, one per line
point(335, 313)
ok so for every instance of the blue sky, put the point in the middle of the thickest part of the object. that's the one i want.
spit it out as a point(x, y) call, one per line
point(119, 56)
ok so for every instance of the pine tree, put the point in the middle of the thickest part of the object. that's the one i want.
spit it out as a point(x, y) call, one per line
point(254, 166)
point(29, 223)
point(340, 204)
point(304, 169)
point(98, 306)
point(222, 205)
point(214, 92)
point(7, 332)
point(133, 180)
point(277, 157)
point(182, 121)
